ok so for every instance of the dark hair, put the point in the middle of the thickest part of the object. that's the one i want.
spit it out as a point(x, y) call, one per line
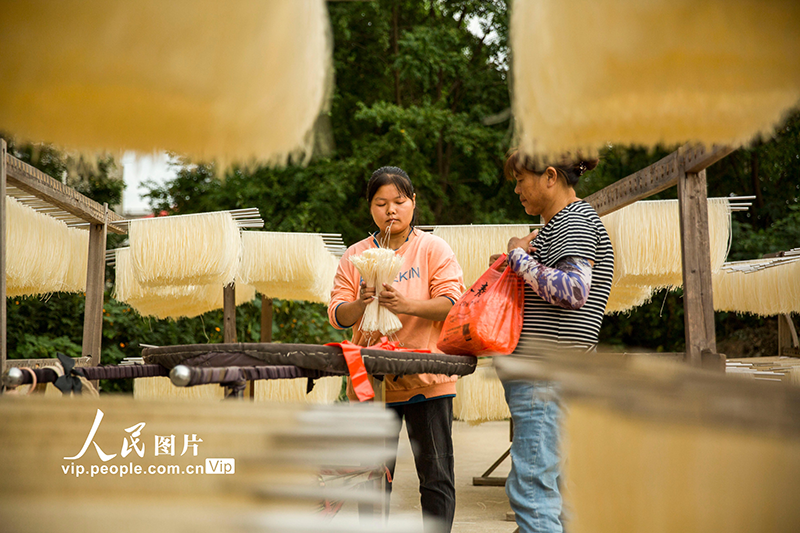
point(569, 166)
point(391, 176)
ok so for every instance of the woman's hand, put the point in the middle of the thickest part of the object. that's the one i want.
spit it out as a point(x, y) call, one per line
point(526, 243)
point(394, 301)
point(495, 257)
point(365, 295)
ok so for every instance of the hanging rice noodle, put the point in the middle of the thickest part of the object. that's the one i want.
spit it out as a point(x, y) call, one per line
point(473, 245)
point(632, 72)
point(647, 242)
point(201, 249)
point(623, 298)
point(480, 396)
point(766, 292)
point(38, 251)
point(378, 266)
point(203, 78)
point(326, 390)
point(75, 276)
point(171, 301)
point(289, 266)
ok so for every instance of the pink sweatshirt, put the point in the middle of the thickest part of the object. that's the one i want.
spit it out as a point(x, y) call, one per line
point(429, 270)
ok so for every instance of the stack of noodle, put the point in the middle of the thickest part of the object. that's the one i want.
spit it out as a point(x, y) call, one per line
point(647, 248)
point(480, 396)
point(44, 255)
point(473, 245)
point(139, 75)
point(290, 266)
point(169, 301)
point(767, 292)
point(199, 249)
point(378, 266)
point(668, 71)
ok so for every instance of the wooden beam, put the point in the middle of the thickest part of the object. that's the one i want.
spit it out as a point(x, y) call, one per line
point(3, 242)
point(698, 305)
point(229, 313)
point(95, 290)
point(655, 178)
point(266, 319)
point(32, 180)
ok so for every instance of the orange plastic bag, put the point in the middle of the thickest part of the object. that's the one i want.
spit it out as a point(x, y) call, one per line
point(487, 319)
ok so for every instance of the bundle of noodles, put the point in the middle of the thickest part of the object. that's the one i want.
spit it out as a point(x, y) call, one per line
point(290, 266)
point(623, 298)
point(378, 266)
point(161, 388)
point(654, 72)
point(473, 245)
point(765, 292)
point(170, 301)
point(38, 251)
point(75, 276)
point(201, 249)
point(138, 75)
point(647, 242)
point(326, 390)
point(480, 396)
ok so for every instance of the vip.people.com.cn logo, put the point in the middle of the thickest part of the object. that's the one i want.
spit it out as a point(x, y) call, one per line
point(163, 445)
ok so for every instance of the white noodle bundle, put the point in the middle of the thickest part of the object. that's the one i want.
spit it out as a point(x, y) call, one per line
point(75, 275)
point(767, 292)
point(169, 301)
point(378, 266)
point(207, 79)
point(289, 266)
point(624, 298)
point(326, 390)
point(473, 245)
point(480, 396)
point(38, 251)
point(647, 242)
point(199, 249)
point(669, 71)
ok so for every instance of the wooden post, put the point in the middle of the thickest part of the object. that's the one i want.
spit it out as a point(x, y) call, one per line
point(266, 319)
point(788, 343)
point(95, 285)
point(229, 313)
point(701, 343)
point(4, 306)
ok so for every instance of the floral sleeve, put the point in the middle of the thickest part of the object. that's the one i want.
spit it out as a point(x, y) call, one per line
point(566, 285)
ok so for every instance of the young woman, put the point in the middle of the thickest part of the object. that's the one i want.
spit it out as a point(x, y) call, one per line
point(567, 267)
point(429, 283)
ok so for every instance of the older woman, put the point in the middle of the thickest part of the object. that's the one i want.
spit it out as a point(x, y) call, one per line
point(567, 267)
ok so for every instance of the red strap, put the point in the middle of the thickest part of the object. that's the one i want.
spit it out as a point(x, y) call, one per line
point(358, 374)
point(384, 344)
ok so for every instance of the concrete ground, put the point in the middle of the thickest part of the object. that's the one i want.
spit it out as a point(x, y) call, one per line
point(478, 509)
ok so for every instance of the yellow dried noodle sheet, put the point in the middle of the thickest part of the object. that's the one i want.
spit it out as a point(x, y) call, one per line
point(480, 396)
point(473, 245)
point(767, 292)
point(289, 266)
point(229, 81)
point(43, 254)
point(668, 71)
point(201, 249)
point(169, 301)
point(326, 390)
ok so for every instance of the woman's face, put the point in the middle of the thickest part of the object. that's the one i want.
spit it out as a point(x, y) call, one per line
point(390, 207)
point(532, 190)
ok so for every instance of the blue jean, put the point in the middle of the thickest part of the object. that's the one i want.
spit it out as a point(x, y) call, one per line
point(532, 485)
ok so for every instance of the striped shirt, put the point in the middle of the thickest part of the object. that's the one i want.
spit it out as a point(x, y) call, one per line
point(575, 231)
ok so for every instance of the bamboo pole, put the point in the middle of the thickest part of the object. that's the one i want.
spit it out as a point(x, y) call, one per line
point(4, 306)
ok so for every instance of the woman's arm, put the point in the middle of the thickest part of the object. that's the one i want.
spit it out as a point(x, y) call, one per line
point(435, 309)
point(567, 285)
